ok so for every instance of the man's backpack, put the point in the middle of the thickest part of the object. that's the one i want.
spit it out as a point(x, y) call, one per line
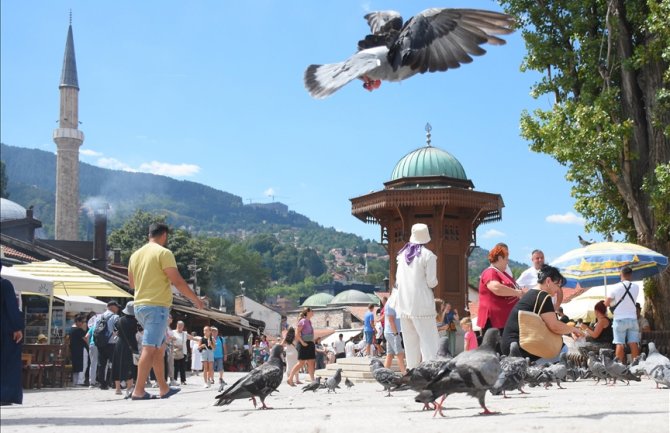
point(100, 334)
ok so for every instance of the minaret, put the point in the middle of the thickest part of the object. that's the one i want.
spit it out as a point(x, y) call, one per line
point(68, 139)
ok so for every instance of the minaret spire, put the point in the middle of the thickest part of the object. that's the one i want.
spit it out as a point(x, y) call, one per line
point(428, 129)
point(68, 139)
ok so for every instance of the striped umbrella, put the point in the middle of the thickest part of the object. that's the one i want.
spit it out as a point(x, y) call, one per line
point(600, 263)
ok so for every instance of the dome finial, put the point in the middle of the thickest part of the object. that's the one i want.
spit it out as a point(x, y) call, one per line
point(428, 129)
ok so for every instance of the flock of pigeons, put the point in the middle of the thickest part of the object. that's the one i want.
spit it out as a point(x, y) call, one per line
point(473, 373)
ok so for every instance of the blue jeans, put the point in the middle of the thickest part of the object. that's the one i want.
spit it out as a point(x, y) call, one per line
point(154, 320)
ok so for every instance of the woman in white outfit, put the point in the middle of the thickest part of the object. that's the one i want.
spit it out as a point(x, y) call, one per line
point(416, 277)
point(196, 357)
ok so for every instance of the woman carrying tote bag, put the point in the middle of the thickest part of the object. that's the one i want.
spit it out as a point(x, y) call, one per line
point(538, 301)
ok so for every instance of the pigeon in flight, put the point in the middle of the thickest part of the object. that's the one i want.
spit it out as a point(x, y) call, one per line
point(435, 39)
point(260, 382)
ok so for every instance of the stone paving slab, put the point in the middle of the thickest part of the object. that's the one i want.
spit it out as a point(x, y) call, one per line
point(582, 406)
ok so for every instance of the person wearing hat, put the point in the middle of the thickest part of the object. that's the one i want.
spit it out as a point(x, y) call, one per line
point(106, 351)
point(416, 276)
point(42, 339)
point(123, 367)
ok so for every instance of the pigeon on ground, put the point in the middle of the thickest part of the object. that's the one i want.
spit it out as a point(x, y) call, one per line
point(348, 383)
point(260, 382)
point(514, 370)
point(597, 368)
point(473, 372)
point(637, 366)
point(334, 382)
point(385, 376)
point(654, 359)
point(558, 371)
point(661, 375)
point(434, 40)
point(615, 369)
point(418, 377)
point(312, 386)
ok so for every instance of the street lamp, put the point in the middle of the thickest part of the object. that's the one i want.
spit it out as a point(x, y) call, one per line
point(194, 269)
point(242, 287)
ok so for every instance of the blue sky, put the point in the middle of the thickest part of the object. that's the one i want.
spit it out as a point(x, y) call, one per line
point(212, 92)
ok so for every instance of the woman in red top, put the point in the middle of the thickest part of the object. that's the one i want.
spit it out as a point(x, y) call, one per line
point(498, 292)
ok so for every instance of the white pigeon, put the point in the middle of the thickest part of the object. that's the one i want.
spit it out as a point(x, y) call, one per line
point(436, 39)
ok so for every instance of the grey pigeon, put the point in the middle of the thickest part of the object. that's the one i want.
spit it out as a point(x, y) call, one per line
point(334, 381)
point(348, 383)
point(418, 377)
point(473, 372)
point(597, 368)
point(259, 382)
point(654, 359)
point(312, 386)
point(558, 371)
point(384, 376)
point(616, 370)
point(514, 371)
point(661, 375)
point(433, 40)
point(637, 366)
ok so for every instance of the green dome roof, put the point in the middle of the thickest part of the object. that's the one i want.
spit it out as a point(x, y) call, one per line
point(318, 300)
point(428, 161)
point(349, 297)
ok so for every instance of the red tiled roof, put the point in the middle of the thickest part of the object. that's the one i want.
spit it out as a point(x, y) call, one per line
point(11, 252)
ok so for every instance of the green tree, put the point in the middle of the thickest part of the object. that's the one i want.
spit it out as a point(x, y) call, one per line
point(233, 263)
point(3, 180)
point(606, 64)
point(134, 234)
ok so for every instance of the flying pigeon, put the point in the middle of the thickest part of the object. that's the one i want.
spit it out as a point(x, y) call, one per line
point(473, 372)
point(312, 386)
point(260, 382)
point(385, 376)
point(348, 383)
point(583, 242)
point(333, 382)
point(433, 40)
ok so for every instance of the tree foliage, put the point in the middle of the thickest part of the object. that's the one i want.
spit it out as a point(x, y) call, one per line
point(606, 64)
point(3, 181)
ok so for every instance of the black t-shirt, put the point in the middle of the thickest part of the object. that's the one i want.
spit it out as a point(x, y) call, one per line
point(526, 303)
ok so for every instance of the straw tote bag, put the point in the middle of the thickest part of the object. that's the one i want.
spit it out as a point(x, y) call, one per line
point(534, 336)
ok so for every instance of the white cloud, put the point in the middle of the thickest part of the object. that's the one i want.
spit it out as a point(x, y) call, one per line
point(566, 218)
point(270, 192)
point(167, 169)
point(492, 233)
point(114, 164)
point(90, 152)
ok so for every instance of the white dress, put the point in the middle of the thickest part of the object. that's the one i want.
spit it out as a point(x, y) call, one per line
point(196, 358)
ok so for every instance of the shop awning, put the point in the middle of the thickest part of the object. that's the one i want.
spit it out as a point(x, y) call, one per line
point(226, 319)
point(82, 303)
point(347, 334)
point(59, 279)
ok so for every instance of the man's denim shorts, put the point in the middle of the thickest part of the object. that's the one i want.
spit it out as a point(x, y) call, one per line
point(368, 336)
point(218, 364)
point(154, 320)
point(626, 331)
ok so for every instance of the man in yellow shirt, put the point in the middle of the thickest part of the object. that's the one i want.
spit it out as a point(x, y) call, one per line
point(150, 271)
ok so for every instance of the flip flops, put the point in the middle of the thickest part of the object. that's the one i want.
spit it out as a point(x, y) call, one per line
point(146, 396)
point(171, 392)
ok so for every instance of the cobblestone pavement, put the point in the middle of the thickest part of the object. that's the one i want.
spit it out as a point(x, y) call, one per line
point(582, 406)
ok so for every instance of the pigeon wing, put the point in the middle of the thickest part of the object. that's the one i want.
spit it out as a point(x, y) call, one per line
point(323, 80)
point(383, 21)
point(441, 39)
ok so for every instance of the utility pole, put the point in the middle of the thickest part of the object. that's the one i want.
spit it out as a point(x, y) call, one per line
point(194, 269)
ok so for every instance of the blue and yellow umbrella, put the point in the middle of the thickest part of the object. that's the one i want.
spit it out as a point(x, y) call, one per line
point(600, 263)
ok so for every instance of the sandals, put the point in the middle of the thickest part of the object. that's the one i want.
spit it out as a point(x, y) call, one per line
point(146, 396)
